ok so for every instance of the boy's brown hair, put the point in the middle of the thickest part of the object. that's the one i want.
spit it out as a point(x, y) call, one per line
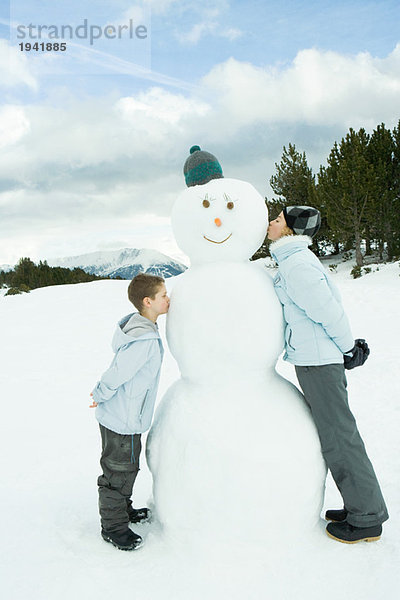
point(143, 286)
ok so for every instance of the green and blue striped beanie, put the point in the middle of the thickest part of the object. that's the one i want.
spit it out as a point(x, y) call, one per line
point(200, 167)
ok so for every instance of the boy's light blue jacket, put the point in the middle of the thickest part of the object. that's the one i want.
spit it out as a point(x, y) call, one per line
point(126, 393)
point(317, 330)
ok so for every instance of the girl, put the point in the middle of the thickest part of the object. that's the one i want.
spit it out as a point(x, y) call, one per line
point(318, 341)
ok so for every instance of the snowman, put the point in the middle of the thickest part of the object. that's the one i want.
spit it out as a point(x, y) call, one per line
point(233, 450)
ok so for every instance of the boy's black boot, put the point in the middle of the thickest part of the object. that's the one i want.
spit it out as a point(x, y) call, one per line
point(138, 515)
point(348, 534)
point(336, 515)
point(124, 540)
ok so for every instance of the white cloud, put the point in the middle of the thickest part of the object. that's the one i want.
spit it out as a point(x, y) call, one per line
point(137, 12)
point(161, 6)
point(89, 164)
point(231, 33)
point(208, 28)
point(207, 8)
point(73, 143)
point(14, 68)
point(209, 18)
point(321, 89)
point(159, 106)
point(318, 88)
point(194, 35)
point(13, 125)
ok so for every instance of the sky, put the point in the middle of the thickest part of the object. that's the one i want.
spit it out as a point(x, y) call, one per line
point(93, 138)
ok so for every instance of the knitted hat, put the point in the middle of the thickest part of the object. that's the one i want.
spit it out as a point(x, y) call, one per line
point(304, 220)
point(200, 167)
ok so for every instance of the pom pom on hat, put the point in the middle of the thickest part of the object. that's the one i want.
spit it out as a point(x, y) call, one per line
point(304, 220)
point(200, 167)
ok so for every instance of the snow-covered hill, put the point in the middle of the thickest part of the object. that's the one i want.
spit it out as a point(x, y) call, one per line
point(55, 342)
point(125, 263)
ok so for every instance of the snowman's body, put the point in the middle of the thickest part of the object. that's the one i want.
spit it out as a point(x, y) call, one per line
point(233, 449)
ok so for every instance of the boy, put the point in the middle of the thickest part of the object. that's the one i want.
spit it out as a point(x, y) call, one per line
point(318, 341)
point(125, 398)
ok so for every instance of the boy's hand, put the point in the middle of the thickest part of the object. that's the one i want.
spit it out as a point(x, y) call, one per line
point(94, 404)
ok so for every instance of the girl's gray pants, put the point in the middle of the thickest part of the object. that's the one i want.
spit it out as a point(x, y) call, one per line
point(325, 392)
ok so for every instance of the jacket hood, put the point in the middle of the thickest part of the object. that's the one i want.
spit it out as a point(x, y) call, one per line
point(287, 245)
point(131, 327)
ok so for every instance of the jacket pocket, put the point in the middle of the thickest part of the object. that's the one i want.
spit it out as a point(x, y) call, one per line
point(288, 337)
point(134, 409)
point(143, 406)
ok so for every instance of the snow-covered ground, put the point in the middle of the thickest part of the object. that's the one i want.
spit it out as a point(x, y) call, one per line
point(55, 342)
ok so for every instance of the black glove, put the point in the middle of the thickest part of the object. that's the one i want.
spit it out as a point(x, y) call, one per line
point(357, 356)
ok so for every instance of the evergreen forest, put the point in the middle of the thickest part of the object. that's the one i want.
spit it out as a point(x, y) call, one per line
point(27, 276)
point(357, 193)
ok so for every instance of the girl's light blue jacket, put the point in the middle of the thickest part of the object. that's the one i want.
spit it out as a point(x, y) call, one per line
point(317, 330)
point(126, 393)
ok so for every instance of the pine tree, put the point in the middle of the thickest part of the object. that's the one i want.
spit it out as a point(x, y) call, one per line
point(294, 179)
point(381, 217)
point(24, 273)
point(346, 186)
point(395, 212)
point(294, 183)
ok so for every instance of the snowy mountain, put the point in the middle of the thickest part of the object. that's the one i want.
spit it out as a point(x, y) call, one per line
point(125, 263)
point(6, 268)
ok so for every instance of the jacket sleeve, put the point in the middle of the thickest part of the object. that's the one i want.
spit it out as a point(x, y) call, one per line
point(310, 291)
point(126, 363)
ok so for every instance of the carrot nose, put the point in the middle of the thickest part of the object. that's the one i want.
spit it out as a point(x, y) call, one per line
point(218, 222)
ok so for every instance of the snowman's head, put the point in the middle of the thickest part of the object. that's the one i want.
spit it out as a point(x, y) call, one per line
point(223, 220)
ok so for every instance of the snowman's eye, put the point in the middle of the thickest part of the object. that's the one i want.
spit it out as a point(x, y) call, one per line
point(206, 203)
point(230, 205)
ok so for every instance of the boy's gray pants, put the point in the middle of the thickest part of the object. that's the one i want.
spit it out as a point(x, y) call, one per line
point(325, 392)
point(120, 464)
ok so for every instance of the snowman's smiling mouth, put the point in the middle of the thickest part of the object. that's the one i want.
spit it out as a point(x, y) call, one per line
point(214, 242)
